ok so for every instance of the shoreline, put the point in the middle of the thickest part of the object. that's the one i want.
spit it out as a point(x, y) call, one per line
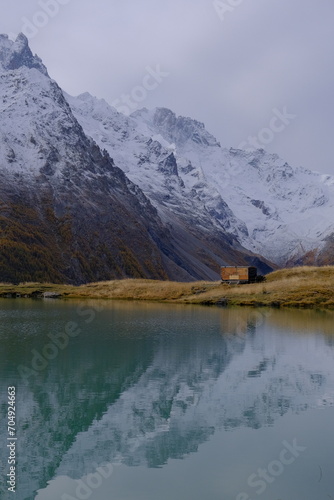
point(302, 287)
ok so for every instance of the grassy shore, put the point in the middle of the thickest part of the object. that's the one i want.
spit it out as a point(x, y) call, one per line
point(297, 287)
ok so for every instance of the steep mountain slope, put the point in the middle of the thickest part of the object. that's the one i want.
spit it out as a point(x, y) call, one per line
point(151, 162)
point(283, 213)
point(200, 221)
point(287, 211)
point(67, 212)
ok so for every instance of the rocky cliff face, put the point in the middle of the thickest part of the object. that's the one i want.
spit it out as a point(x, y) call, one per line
point(67, 212)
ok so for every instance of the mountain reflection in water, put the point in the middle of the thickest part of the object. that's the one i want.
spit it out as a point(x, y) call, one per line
point(144, 383)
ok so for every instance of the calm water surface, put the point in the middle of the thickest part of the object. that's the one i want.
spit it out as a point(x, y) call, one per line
point(161, 402)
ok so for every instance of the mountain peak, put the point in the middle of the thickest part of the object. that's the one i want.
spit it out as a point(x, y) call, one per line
point(178, 130)
point(86, 96)
point(14, 55)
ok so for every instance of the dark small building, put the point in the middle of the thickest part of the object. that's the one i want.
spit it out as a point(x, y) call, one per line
point(238, 274)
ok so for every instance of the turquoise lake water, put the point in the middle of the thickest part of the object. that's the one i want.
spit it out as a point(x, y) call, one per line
point(139, 401)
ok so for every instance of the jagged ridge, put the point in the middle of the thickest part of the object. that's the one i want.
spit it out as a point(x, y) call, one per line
point(275, 210)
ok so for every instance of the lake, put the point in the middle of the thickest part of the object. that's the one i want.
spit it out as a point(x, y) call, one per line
point(142, 401)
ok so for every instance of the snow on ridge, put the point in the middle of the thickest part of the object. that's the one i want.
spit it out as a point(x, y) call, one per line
point(276, 210)
point(152, 160)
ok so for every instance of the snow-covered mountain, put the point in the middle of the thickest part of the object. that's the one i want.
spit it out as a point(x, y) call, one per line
point(68, 213)
point(64, 204)
point(273, 209)
point(88, 194)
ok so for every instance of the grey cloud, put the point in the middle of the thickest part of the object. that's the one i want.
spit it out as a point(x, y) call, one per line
point(229, 74)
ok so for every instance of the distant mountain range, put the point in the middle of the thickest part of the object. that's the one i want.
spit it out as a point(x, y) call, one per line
point(89, 194)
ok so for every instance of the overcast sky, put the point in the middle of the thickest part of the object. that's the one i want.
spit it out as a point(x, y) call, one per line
point(235, 65)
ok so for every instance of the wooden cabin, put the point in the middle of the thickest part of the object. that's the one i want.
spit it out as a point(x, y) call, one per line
point(238, 274)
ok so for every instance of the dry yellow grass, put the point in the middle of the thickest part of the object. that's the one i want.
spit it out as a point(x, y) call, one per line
point(297, 287)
